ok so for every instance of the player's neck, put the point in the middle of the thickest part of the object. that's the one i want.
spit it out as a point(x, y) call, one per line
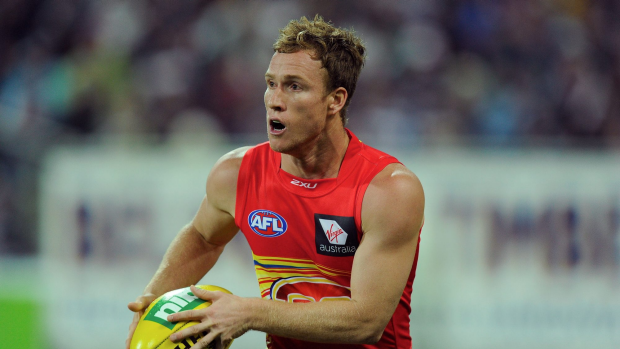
point(321, 159)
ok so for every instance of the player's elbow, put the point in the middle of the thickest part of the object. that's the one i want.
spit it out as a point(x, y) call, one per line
point(371, 330)
point(370, 335)
point(367, 321)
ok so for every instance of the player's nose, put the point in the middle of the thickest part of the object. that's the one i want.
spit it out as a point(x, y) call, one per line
point(274, 99)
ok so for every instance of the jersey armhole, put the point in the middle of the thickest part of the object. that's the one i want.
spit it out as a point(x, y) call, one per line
point(361, 191)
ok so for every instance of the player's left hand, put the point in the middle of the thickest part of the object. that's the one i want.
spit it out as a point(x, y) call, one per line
point(224, 320)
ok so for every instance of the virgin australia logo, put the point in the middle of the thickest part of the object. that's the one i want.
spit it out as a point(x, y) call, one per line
point(335, 234)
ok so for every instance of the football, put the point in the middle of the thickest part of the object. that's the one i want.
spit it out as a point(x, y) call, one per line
point(154, 329)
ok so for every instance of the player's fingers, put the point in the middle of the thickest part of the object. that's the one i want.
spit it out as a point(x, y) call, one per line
point(135, 306)
point(141, 302)
point(222, 344)
point(187, 315)
point(128, 340)
point(132, 328)
point(190, 331)
point(204, 294)
point(204, 341)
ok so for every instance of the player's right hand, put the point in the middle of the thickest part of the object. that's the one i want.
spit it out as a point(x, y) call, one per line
point(138, 307)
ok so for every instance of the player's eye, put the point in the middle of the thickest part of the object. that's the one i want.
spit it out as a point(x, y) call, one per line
point(295, 86)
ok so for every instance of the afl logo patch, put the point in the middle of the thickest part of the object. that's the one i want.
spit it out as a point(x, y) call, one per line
point(267, 223)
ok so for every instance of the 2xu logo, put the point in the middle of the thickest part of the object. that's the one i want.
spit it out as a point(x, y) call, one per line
point(303, 184)
point(267, 223)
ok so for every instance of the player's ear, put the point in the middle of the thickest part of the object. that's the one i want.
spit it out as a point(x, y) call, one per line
point(337, 100)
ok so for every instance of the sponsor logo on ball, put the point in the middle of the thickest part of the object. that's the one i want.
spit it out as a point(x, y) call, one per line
point(190, 341)
point(172, 303)
point(267, 223)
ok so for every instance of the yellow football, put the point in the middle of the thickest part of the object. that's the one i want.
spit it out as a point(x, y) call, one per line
point(154, 330)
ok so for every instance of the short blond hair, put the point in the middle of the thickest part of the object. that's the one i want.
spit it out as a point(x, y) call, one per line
point(340, 51)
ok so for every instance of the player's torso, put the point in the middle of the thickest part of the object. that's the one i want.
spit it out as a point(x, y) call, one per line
point(303, 233)
point(303, 250)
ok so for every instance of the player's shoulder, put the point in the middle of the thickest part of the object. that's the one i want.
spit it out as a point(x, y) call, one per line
point(234, 156)
point(396, 178)
point(394, 198)
point(226, 169)
point(374, 155)
point(395, 189)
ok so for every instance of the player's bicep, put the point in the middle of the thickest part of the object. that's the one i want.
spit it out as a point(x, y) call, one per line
point(216, 226)
point(392, 214)
point(215, 217)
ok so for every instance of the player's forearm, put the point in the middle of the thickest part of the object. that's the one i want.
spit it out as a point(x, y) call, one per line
point(188, 258)
point(325, 322)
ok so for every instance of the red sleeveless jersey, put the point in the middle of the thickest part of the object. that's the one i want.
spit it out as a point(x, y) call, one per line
point(304, 233)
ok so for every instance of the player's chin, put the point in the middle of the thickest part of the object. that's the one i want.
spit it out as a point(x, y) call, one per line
point(278, 144)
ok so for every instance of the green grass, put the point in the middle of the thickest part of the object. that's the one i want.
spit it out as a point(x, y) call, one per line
point(20, 324)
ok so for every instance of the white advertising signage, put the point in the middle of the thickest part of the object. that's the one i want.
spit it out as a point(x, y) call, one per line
point(518, 250)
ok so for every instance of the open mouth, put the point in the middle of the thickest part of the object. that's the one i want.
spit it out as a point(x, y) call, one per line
point(276, 126)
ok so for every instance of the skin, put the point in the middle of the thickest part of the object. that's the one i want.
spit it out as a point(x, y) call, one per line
point(313, 145)
point(296, 96)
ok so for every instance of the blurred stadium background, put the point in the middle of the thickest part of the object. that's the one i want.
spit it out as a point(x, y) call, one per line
point(113, 112)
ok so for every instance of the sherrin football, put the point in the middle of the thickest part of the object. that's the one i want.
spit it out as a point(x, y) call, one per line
point(154, 329)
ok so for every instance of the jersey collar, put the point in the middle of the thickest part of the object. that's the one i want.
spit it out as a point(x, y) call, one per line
point(318, 187)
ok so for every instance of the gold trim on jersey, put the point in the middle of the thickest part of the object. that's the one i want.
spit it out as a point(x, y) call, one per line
point(272, 269)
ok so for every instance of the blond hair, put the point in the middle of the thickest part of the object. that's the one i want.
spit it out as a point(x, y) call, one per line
point(340, 51)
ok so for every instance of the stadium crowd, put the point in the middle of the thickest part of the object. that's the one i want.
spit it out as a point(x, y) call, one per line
point(501, 73)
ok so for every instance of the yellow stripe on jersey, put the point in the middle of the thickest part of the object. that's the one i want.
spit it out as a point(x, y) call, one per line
point(271, 269)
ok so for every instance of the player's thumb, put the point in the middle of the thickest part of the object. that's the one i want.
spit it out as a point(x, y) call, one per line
point(141, 302)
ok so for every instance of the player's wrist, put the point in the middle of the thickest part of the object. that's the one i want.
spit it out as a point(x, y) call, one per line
point(256, 313)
